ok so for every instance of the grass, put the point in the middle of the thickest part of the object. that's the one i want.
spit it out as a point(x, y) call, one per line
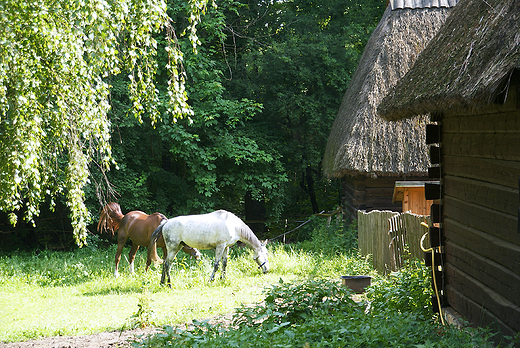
point(299, 303)
point(75, 293)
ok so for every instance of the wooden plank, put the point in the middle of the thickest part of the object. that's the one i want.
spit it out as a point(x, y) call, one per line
point(415, 202)
point(373, 237)
point(414, 232)
point(490, 273)
point(380, 182)
point(489, 221)
point(502, 252)
point(433, 134)
point(488, 299)
point(493, 196)
point(484, 145)
point(435, 154)
point(359, 195)
point(505, 173)
point(492, 123)
point(376, 203)
point(474, 313)
point(386, 192)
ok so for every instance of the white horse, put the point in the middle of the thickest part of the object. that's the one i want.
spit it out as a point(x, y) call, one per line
point(218, 230)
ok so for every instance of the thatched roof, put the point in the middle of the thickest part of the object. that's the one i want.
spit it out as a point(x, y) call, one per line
point(465, 66)
point(400, 4)
point(360, 141)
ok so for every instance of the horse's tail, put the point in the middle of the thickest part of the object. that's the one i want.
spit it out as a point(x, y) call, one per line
point(156, 235)
point(110, 218)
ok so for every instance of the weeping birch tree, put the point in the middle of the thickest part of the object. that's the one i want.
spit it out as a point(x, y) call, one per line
point(56, 57)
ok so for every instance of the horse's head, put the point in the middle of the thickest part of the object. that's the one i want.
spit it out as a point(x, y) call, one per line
point(261, 258)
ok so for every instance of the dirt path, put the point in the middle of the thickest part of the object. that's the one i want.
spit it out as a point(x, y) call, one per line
point(104, 339)
point(115, 339)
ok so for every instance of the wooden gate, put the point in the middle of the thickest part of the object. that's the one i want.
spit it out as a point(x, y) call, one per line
point(386, 235)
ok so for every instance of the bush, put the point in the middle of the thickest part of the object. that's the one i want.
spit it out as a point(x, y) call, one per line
point(317, 313)
point(407, 290)
point(333, 239)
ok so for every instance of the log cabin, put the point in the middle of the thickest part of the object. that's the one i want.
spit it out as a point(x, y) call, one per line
point(468, 80)
point(367, 153)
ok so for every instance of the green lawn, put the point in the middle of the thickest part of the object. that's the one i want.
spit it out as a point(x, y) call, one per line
point(75, 293)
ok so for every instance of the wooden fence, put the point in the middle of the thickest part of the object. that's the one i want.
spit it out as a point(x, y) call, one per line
point(384, 235)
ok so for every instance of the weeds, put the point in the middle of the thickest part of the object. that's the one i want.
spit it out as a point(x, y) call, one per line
point(302, 303)
point(145, 316)
point(317, 313)
point(408, 290)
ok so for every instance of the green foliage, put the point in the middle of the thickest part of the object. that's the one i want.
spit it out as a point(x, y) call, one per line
point(55, 61)
point(330, 238)
point(296, 58)
point(49, 268)
point(200, 163)
point(407, 290)
point(316, 313)
point(144, 317)
point(303, 303)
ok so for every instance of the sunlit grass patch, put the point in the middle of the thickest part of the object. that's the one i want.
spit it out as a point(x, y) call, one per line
point(73, 293)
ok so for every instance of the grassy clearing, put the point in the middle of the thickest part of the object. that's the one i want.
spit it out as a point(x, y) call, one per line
point(75, 293)
point(299, 303)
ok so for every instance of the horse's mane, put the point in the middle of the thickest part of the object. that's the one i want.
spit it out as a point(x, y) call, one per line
point(161, 215)
point(248, 236)
point(110, 218)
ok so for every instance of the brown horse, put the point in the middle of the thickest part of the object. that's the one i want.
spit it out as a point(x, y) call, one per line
point(139, 227)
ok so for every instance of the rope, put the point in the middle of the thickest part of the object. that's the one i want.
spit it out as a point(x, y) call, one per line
point(294, 229)
point(433, 271)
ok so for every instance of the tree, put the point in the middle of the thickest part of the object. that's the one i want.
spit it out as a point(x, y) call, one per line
point(203, 162)
point(55, 61)
point(296, 58)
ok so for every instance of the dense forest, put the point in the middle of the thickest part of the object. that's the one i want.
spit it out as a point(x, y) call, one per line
point(199, 106)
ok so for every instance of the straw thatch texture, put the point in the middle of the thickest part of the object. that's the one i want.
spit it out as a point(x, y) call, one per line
point(360, 141)
point(395, 4)
point(467, 63)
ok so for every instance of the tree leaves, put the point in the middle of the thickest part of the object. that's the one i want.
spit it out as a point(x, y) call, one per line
point(54, 98)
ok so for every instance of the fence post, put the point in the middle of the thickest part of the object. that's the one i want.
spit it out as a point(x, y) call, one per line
point(375, 237)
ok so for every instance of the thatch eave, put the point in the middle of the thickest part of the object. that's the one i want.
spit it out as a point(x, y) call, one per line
point(466, 65)
point(375, 175)
point(360, 141)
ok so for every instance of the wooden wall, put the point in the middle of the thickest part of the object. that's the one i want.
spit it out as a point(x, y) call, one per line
point(480, 197)
point(364, 193)
point(411, 195)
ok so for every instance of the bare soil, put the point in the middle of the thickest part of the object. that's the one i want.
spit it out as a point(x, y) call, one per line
point(115, 339)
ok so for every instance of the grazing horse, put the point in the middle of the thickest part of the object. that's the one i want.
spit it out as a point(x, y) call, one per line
point(137, 226)
point(218, 230)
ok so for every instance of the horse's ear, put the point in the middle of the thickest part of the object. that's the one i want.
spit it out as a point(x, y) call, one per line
point(264, 243)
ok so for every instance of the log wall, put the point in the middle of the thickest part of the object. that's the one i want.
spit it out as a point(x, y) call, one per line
point(480, 194)
point(363, 193)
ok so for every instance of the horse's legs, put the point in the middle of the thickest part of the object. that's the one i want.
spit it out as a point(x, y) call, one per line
point(167, 264)
point(191, 251)
point(224, 263)
point(219, 251)
point(118, 256)
point(149, 257)
point(166, 270)
point(131, 256)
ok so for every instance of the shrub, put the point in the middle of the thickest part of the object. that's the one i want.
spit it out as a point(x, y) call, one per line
point(316, 313)
point(407, 290)
point(332, 239)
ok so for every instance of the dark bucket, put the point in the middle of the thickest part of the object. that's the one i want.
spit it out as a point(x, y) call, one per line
point(357, 283)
